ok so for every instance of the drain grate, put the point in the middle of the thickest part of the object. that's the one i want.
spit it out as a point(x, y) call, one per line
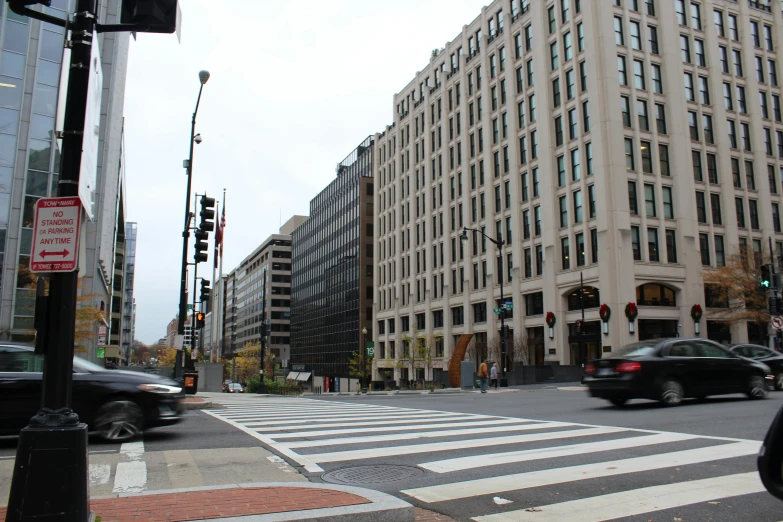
point(366, 475)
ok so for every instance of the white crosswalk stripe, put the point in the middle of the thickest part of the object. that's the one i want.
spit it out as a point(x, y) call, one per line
point(509, 455)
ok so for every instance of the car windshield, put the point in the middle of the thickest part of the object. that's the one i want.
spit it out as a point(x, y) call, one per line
point(636, 349)
point(81, 365)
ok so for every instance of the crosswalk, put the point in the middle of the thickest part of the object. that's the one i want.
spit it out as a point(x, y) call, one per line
point(494, 468)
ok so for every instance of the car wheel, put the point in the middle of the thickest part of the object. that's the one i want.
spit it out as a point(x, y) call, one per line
point(118, 420)
point(671, 393)
point(757, 388)
point(618, 401)
point(779, 381)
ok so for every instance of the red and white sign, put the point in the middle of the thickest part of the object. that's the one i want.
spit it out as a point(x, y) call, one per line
point(56, 235)
point(777, 322)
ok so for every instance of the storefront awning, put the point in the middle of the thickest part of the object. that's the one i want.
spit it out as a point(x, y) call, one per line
point(304, 376)
point(292, 376)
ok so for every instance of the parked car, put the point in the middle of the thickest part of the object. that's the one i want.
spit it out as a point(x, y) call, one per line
point(116, 404)
point(763, 354)
point(233, 387)
point(669, 370)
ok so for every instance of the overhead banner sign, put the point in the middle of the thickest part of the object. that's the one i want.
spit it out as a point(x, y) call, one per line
point(56, 235)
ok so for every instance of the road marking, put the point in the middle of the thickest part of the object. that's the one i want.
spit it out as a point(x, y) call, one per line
point(312, 415)
point(378, 419)
point(130, 477)
point(548, 477)
point(182, 469)
point(370, 453)
point(636, 501)
point(99, 474)
point(309, 411)
point(305, 461)
point(463, 463)
point(132, 450)
point(444, 417)
point(484, 430)
point(416, 427)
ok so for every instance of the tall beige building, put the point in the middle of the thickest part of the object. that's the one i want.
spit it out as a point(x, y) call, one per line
point(628, 143)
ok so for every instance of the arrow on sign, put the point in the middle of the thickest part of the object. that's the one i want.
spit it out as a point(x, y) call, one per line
point(62, 254)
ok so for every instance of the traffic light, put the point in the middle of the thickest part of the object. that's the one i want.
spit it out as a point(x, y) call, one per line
point(159, 16)
point(201, 246)
point(579, 326)
point(773, 306)
point(205, 291)
point(207, 214)
point(200, 320)
point(766, 279)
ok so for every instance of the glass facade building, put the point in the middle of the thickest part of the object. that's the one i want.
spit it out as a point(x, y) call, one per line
point(332, 262)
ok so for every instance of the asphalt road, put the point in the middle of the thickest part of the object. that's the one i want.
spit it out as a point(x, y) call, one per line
point(528, 485)
point(464, 434)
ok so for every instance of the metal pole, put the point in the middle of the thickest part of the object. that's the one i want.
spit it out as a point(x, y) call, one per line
point(503, 352)
point(195, 287)
point(364, 363)
point(582, 353)
point(183, 287)
point(55, 439)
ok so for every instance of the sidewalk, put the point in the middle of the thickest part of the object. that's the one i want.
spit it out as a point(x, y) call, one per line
point(257, 502)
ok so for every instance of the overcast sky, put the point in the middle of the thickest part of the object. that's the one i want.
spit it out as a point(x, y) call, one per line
point(295, 87)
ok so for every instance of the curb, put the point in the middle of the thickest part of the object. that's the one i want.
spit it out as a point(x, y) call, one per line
point(382, 507)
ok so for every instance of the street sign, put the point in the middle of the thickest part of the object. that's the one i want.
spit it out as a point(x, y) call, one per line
point(497, 310)
point(777, 322)
point(370, 352)
point(56, 235)
point(508, 306)
point(190, 308)
point(101, 336)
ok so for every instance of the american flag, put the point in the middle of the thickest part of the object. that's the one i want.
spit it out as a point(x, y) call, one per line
point(219, 235)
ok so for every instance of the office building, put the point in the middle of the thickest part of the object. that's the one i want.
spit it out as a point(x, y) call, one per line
point(30, 61)
point(129, 303)
point(333, 268)
point(628, 144)
point(258, 296)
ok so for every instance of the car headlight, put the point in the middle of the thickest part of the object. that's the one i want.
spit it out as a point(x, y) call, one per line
point(159, 388)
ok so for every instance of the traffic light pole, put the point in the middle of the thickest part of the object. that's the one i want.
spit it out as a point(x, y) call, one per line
point(183, 287)
point(50, 479)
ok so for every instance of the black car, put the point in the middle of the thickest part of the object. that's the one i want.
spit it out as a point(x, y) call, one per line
point(669, 370)
point(763, 354)
point(116, 404)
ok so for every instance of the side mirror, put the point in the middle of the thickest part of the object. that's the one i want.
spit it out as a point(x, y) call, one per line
point(770, 459)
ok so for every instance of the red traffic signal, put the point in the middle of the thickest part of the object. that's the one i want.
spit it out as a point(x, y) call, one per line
point(200, 322)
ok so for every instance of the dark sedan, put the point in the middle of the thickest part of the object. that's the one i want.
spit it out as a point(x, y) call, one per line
point(764, 355)
point(116, 404)
point(669, 370)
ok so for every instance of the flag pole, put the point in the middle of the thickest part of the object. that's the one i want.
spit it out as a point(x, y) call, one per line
point(212, 351)
point(222, 333)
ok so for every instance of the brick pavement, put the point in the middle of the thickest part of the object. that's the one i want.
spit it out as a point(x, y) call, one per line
point(218, 503)
point(422, 515)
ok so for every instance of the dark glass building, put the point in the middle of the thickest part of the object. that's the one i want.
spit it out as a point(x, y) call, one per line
point(332, 270)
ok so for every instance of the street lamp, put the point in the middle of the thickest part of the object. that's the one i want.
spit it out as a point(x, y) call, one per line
point(364, 363)
point(203, 76)
point(499, 243)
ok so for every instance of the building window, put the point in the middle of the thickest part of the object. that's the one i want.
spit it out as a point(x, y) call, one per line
point(652, 244)
point(636, 246)
point(740, 207)
point(621, 71)
point(712, 168)
point(697, 169)
point(715, 207)
point(457, 316)
point(720, 254)
point(754, 214)
point(668, 205)
point(704, 247)
point(629, 159)
point(594, 244)
point(632, 200)
point(671, 246)
point(649, 200)
point(534, 304)
point(663, 158)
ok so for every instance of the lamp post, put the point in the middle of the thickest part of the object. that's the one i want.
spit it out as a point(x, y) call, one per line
point(499, 243)
point(364, 360)
point(203, 76)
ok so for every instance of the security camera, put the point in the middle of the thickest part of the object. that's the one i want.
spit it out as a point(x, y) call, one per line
point(197, 139)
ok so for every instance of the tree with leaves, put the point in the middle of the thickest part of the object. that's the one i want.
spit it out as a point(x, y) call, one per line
point(420, 347)
point(355, 367)
point(736, 288)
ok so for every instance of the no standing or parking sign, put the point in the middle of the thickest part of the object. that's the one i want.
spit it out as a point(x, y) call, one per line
point(777, 322)
point(56, 235)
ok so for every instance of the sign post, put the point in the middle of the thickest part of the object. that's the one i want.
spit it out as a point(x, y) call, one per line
point(56, 235)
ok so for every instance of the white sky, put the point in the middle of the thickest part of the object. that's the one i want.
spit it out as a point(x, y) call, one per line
point(295, 87)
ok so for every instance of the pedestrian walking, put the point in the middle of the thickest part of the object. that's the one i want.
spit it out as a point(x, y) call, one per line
point(483, 375)
point(493, 376)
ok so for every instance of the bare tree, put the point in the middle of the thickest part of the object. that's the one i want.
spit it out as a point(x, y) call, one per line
point(735, 288)
point(520, 350)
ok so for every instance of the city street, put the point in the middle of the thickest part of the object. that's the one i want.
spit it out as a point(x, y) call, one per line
point(538, 454)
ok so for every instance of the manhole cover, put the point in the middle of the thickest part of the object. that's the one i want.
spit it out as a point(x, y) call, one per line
point(360, 475)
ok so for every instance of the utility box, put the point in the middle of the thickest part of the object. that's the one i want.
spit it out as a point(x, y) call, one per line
point(466, 375)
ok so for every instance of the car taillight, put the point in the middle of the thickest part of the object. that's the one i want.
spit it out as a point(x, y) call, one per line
point(628, 367)
point(589, 369)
